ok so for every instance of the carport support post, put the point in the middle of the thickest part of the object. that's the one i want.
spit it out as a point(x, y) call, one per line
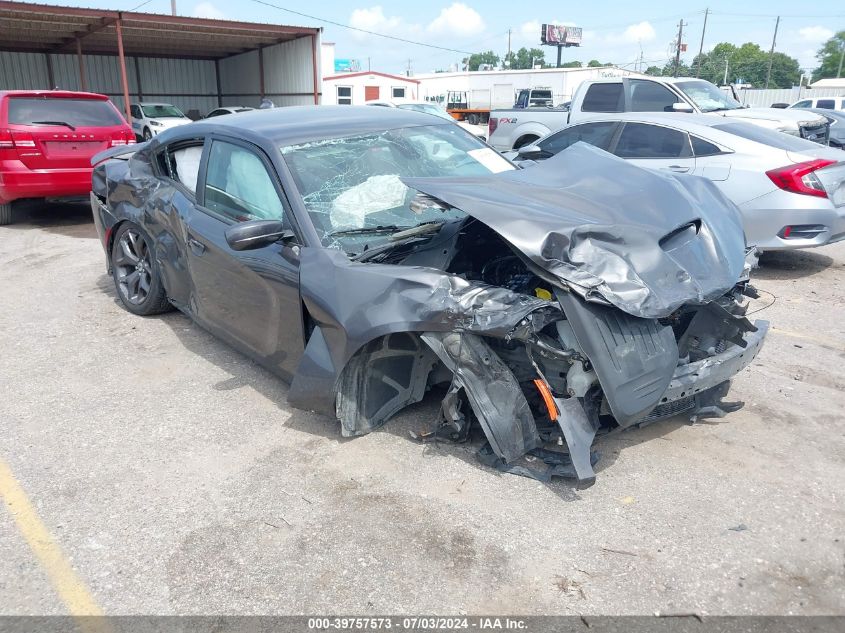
point(120, 56)
point(83, 85)
point(314, 67)
point(261, 71)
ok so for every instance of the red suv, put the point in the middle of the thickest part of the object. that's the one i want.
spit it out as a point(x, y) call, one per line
point(47, 139)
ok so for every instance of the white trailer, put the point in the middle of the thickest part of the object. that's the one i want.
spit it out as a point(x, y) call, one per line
point(492, 89)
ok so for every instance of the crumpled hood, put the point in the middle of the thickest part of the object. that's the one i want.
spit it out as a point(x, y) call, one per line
point(774, 114)
point(642, 240)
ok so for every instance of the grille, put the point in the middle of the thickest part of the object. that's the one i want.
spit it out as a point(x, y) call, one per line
point(669, 409)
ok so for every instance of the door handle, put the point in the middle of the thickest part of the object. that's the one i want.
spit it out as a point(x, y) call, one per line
point(678, 168)
point(198, 248)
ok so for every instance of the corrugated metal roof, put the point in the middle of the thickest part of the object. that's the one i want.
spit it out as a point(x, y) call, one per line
point(28, 27)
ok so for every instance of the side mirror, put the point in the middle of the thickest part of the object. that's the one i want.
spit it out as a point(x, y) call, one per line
point(256, 234)
point(681, 107)
point(530, 152)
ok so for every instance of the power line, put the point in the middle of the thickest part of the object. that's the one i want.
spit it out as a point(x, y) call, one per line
point(355, 28)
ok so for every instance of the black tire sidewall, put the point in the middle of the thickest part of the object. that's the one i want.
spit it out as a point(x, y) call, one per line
point(150, 305)
point(148, 135)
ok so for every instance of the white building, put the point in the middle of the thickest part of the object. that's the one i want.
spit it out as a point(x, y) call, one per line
point(497, 88)
point(358, 88)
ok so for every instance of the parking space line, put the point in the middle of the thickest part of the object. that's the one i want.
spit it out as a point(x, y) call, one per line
point(67, 584)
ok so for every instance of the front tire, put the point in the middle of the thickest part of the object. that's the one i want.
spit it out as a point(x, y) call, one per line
point(5, 214)
point(135, 272)
point(147, 134)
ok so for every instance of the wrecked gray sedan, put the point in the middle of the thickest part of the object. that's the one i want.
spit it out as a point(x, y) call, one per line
point(371, 255)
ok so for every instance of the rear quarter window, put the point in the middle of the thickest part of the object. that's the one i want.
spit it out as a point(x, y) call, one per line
point(604, 98)
point(76, 112)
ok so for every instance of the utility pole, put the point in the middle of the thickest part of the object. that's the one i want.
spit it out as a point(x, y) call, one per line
point(725, 82)
point(772, 52)
point(681, 26)
point(841, 57)
point(509, 45)
point(701, 46)
point(173, 7)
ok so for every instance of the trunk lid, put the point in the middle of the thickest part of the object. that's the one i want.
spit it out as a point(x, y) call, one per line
point(63, 132)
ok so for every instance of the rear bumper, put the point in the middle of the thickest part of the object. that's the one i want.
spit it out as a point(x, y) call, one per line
point(16, 182)
point(765, 218)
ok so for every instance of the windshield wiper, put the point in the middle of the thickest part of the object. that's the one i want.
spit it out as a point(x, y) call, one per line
point(368, 230)
point(54, 123)
point(409, 234)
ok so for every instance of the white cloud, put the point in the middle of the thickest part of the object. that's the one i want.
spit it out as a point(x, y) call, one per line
point(642, 32)
point(208, 10)
point(815, 34)
point(457, 19)
point(373, 19)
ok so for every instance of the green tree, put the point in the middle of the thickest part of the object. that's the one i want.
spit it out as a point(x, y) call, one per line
point(746, 64)
point(572, 64)
point(525, 59)
point(654, 71)
point(594, 63)
point(476, 59)
point(830, 56)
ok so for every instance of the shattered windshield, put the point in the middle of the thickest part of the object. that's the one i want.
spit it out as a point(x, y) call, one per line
point(351, 186)
point(707, 97)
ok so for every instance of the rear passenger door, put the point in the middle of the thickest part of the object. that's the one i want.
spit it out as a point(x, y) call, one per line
point(655, 147)
point(248, 298)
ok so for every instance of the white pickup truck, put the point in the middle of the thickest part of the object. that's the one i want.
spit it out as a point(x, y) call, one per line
point(511, 129)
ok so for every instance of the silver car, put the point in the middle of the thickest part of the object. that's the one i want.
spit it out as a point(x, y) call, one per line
point(791, 192)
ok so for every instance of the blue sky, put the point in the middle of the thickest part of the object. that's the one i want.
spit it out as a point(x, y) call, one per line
point(613, 31)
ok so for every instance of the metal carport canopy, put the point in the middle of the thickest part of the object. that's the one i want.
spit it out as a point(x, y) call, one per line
point(39, 28)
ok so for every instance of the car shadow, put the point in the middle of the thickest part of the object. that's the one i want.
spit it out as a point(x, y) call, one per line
point(62, 218)
point(786, 265)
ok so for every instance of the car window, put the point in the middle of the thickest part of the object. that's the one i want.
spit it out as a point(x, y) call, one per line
point(238, 185)
point(162, 111)
point(827, 104)
point(76, 112)
point(180, 161)
point(648, 96)
point(216, 113)
point(598, 134)
point(700, 147)
point(640, 140)
point(135, 111)
point(604, 98)
point(803, 104)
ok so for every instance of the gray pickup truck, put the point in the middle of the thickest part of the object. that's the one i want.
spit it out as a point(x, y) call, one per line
point(512, 128)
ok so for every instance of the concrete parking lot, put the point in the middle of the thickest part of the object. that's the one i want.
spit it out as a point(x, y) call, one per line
point(173, 477)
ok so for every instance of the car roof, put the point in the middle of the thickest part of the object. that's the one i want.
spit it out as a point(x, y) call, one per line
point(298, 124)
point(683, 120)
point(57, 94)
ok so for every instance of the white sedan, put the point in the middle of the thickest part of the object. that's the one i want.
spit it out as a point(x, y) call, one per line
point(790, 191)
point(479, 131)
point(149, 119)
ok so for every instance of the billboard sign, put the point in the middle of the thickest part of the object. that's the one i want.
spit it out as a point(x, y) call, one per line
point(347, 65)
point(558, 35)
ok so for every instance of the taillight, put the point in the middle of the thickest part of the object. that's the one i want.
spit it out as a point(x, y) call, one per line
point(7, 145)
point(124, 137)
point(492, 124)
point(801, 177)
point(12, 141)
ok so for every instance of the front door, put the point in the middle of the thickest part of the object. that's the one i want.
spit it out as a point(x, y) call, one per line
point(371, 93)
point(249, 298)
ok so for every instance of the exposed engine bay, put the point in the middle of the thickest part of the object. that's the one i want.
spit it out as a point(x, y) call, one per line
point(541, 380)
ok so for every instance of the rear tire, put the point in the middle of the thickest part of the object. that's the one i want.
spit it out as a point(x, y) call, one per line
point(135, 272)
point(5, 214)
point(473, 119)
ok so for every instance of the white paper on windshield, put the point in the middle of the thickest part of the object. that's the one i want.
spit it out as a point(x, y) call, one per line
point(490, 159)
point(377, 193)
